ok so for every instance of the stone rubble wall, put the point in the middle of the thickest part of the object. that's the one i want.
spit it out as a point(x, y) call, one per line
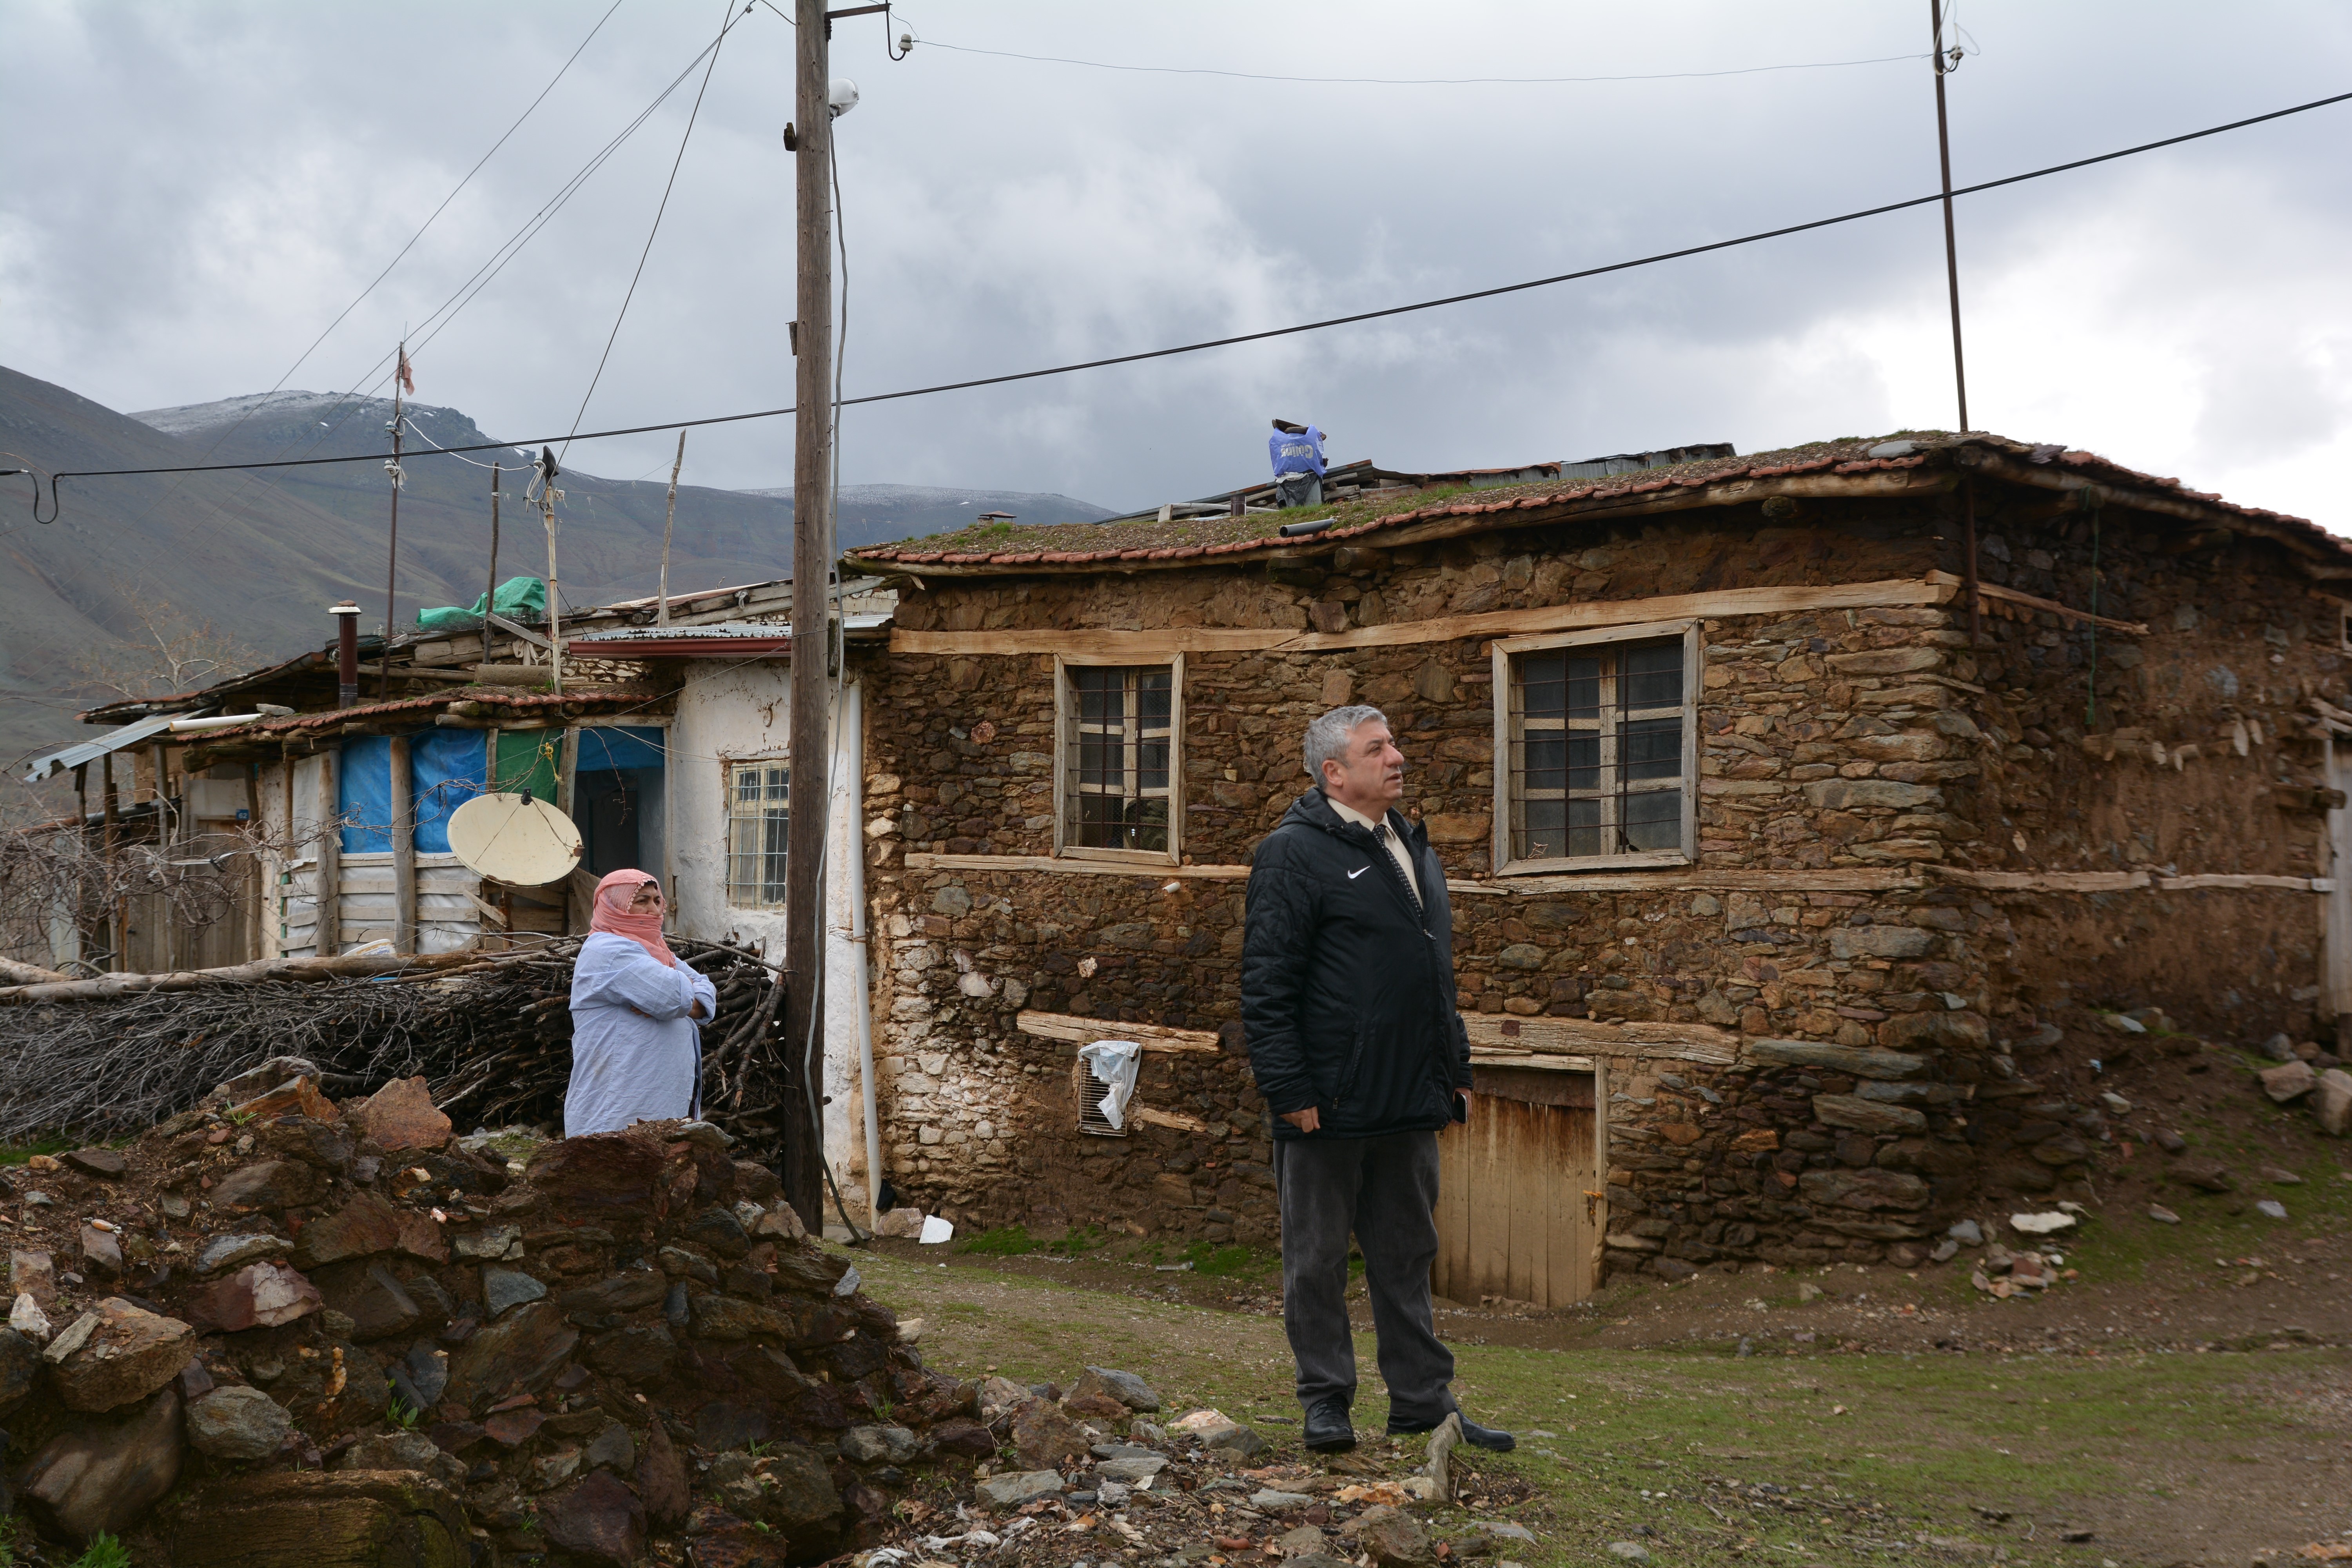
point(299, 1332)
point(1831, 742)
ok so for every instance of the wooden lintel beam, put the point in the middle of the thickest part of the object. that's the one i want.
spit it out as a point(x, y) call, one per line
point(2049, 606)
point(1081, 1031)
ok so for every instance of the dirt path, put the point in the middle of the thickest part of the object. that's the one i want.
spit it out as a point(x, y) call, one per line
point(1888, 1416)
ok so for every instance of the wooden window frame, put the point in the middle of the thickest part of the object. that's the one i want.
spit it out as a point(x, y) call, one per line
point(727, 773)
point(1506, 649)
point(1065, 716)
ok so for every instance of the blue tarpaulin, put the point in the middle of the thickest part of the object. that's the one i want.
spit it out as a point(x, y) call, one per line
point(445, 768)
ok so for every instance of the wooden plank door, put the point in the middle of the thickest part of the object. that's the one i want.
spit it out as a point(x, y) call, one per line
point(1512, 1219)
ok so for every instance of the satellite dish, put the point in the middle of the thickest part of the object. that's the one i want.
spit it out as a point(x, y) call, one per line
point(515, 840)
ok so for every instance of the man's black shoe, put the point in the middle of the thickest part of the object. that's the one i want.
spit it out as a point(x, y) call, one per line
point(1328, 1429)
point(1477, 1436)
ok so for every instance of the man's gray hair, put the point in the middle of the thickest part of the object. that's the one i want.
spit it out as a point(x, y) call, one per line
point(1326, 736)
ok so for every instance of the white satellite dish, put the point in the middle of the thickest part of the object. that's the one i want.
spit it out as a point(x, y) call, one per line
point(515, 840)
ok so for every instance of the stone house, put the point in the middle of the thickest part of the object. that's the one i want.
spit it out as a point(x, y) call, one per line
point(1797, 809)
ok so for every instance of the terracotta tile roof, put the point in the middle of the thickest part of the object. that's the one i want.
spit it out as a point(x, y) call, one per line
point(1219, 538)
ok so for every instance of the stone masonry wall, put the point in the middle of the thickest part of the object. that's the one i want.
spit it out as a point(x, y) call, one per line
point(1834, 743)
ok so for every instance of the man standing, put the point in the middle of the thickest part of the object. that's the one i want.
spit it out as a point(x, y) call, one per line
point(1347, 1003)
point(1297, 452)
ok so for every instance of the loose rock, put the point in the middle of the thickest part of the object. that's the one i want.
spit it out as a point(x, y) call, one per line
point(599, 1519)
point(238, 1423)
point(106, 1475)
point(260, 1295)
point(401, 1116)
point(2289, 1081)
point(1015, 1488)
point(126, 1353)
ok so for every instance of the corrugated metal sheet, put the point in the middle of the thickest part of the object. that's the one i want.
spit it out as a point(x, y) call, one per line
point(82, 752)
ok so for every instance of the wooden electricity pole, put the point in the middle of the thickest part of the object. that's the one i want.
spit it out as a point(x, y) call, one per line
point(811, 787)
point(1951, 247)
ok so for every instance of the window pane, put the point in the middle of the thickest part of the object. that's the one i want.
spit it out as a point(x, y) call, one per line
point(1653, 676)
point(1584, 687)
point(1102, 822)
point(1584, 762)
point(1149, 821)
point(1152, 697)
point(1547, 761)
point(1547, 829)
point(1099, 760)
point(1654, 820)
point(1543, 691)
point(1151, 765)
point(1652, 749)
point(1584, 829)
point(777, 825)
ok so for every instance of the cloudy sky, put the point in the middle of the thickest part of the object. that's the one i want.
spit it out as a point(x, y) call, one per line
point(192, 193)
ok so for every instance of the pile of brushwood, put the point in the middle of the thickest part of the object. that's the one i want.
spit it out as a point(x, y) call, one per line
point(489, 1032)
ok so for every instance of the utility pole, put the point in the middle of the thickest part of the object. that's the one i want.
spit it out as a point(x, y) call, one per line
point(1951, 247)
point(547, 471)
point(392, 564)
point(670, 519)
point(812, 784)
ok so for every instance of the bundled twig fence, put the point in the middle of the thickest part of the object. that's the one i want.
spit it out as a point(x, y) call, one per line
point(490, 1033)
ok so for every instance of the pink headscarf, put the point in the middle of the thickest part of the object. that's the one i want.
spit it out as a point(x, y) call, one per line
point(611, 913)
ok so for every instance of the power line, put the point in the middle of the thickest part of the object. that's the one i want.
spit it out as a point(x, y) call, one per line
point(659, 211)
point(452, 196)
point(1329, 321)
point(361, 298)
point(1411, 82)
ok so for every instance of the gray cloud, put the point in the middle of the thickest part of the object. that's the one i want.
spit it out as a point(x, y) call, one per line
point(193, 192)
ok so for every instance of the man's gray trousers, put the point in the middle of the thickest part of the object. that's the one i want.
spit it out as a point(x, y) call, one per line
point(1385, 1191)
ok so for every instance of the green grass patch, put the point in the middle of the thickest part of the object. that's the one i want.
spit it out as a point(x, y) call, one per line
point(1004, 1241)
point(1230, 1261)
point(18, 1153)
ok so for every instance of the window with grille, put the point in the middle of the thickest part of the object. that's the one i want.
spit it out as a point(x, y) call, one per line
point(759, 816)
point(1119, 764)
point(1597, 752)
point(1089, 1091)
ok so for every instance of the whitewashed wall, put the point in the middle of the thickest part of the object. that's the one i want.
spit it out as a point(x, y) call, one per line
point(733, 714)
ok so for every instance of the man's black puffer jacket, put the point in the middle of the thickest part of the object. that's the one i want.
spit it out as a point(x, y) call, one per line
point(1347, 992)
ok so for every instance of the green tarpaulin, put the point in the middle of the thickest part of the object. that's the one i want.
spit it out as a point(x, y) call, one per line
point(520, 599)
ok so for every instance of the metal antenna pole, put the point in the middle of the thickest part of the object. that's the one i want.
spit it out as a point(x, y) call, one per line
point(391, 562)
point(554, 603)
point(490, 594)
point(1951, 247)
point(670, 519)
point(812, 787)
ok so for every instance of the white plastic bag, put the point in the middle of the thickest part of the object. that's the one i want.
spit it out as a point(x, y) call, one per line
point(1115, 1064)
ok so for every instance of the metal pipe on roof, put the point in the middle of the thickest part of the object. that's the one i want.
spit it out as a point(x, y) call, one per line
point(347, 653)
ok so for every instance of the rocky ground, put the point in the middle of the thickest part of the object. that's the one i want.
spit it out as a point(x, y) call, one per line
point(281, 1330)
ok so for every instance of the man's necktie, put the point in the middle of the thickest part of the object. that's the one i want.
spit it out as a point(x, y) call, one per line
point(1380, 837)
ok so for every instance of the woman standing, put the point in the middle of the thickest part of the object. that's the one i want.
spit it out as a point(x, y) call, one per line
point(636, 1050)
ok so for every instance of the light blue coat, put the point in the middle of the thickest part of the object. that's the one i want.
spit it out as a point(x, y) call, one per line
point(636, 1053)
